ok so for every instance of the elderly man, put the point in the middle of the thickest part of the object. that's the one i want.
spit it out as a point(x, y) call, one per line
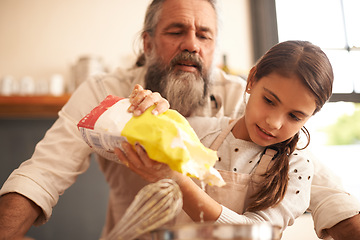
point(172, 30)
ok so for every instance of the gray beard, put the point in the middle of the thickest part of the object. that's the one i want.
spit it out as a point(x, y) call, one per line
point(186, 92)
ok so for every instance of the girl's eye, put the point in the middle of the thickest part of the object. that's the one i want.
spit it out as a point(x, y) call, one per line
point(294, 117)
point(268, 101)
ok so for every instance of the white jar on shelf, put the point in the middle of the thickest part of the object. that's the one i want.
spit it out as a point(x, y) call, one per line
point(9, 86)
point(56, 86)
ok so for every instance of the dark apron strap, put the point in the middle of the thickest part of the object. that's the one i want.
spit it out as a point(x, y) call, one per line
point(264, 164)
point(265, 161)
point(220, 139)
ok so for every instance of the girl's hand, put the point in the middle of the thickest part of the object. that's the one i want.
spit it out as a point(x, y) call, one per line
point(136, 159)
point(141, 100)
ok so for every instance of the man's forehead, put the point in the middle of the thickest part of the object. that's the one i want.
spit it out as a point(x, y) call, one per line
point(198, 13)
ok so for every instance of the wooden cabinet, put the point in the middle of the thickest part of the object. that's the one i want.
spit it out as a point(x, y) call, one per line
point(31, 106)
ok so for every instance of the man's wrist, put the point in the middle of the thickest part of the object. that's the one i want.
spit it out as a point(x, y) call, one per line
point(347, 229)
point(17, 214)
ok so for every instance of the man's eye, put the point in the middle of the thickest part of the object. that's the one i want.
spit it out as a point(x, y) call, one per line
point(204, 36)
point(174, 33)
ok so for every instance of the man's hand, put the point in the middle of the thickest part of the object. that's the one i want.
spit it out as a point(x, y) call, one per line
point(17, 214)
point(137, 160)
point(196, 202)
point(348, 229)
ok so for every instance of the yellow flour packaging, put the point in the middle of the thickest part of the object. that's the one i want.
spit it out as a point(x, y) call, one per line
point(167, 138)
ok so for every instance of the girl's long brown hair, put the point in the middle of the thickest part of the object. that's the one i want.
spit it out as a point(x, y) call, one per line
point(311, 65)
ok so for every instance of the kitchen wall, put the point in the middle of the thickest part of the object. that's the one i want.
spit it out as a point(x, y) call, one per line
point(40, 38)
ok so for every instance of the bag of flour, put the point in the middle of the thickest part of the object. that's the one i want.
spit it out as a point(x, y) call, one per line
point(167, 138)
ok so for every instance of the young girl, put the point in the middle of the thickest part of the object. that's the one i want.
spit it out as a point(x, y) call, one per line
point(268, 178)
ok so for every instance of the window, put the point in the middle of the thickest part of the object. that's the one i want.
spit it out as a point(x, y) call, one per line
point(334, 26)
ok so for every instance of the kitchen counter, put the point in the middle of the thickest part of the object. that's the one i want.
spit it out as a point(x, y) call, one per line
point(31, 106)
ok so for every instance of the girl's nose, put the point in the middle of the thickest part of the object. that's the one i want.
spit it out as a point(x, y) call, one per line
point(274, 121)
point(190, 43)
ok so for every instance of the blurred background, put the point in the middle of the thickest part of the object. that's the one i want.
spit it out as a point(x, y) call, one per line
point(48, 47)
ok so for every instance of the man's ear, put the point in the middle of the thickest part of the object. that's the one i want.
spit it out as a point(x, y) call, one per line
point(147, 41)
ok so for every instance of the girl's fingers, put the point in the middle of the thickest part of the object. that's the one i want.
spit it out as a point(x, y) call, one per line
point(161, 107)
point(141, 100)
point(138, 99)
point(136, 90)
point(161, 104)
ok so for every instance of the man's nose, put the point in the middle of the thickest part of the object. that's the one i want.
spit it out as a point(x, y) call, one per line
point(190, 43)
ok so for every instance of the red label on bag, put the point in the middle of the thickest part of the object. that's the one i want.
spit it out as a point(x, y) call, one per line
point(90, 119)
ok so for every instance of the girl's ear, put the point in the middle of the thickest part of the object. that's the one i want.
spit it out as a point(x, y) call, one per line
point(147, 41)
point(250, 80)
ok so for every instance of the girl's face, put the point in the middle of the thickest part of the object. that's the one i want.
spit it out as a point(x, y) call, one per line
point(277, 108)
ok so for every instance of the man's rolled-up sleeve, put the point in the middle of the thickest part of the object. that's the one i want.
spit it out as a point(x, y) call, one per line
point(330, 203)
point(331, 206)
point(57, 161)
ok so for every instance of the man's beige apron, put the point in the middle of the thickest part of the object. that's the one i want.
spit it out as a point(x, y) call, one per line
point(236, 194)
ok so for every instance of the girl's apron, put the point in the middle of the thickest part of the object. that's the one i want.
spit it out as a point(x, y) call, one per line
point(236, 194)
